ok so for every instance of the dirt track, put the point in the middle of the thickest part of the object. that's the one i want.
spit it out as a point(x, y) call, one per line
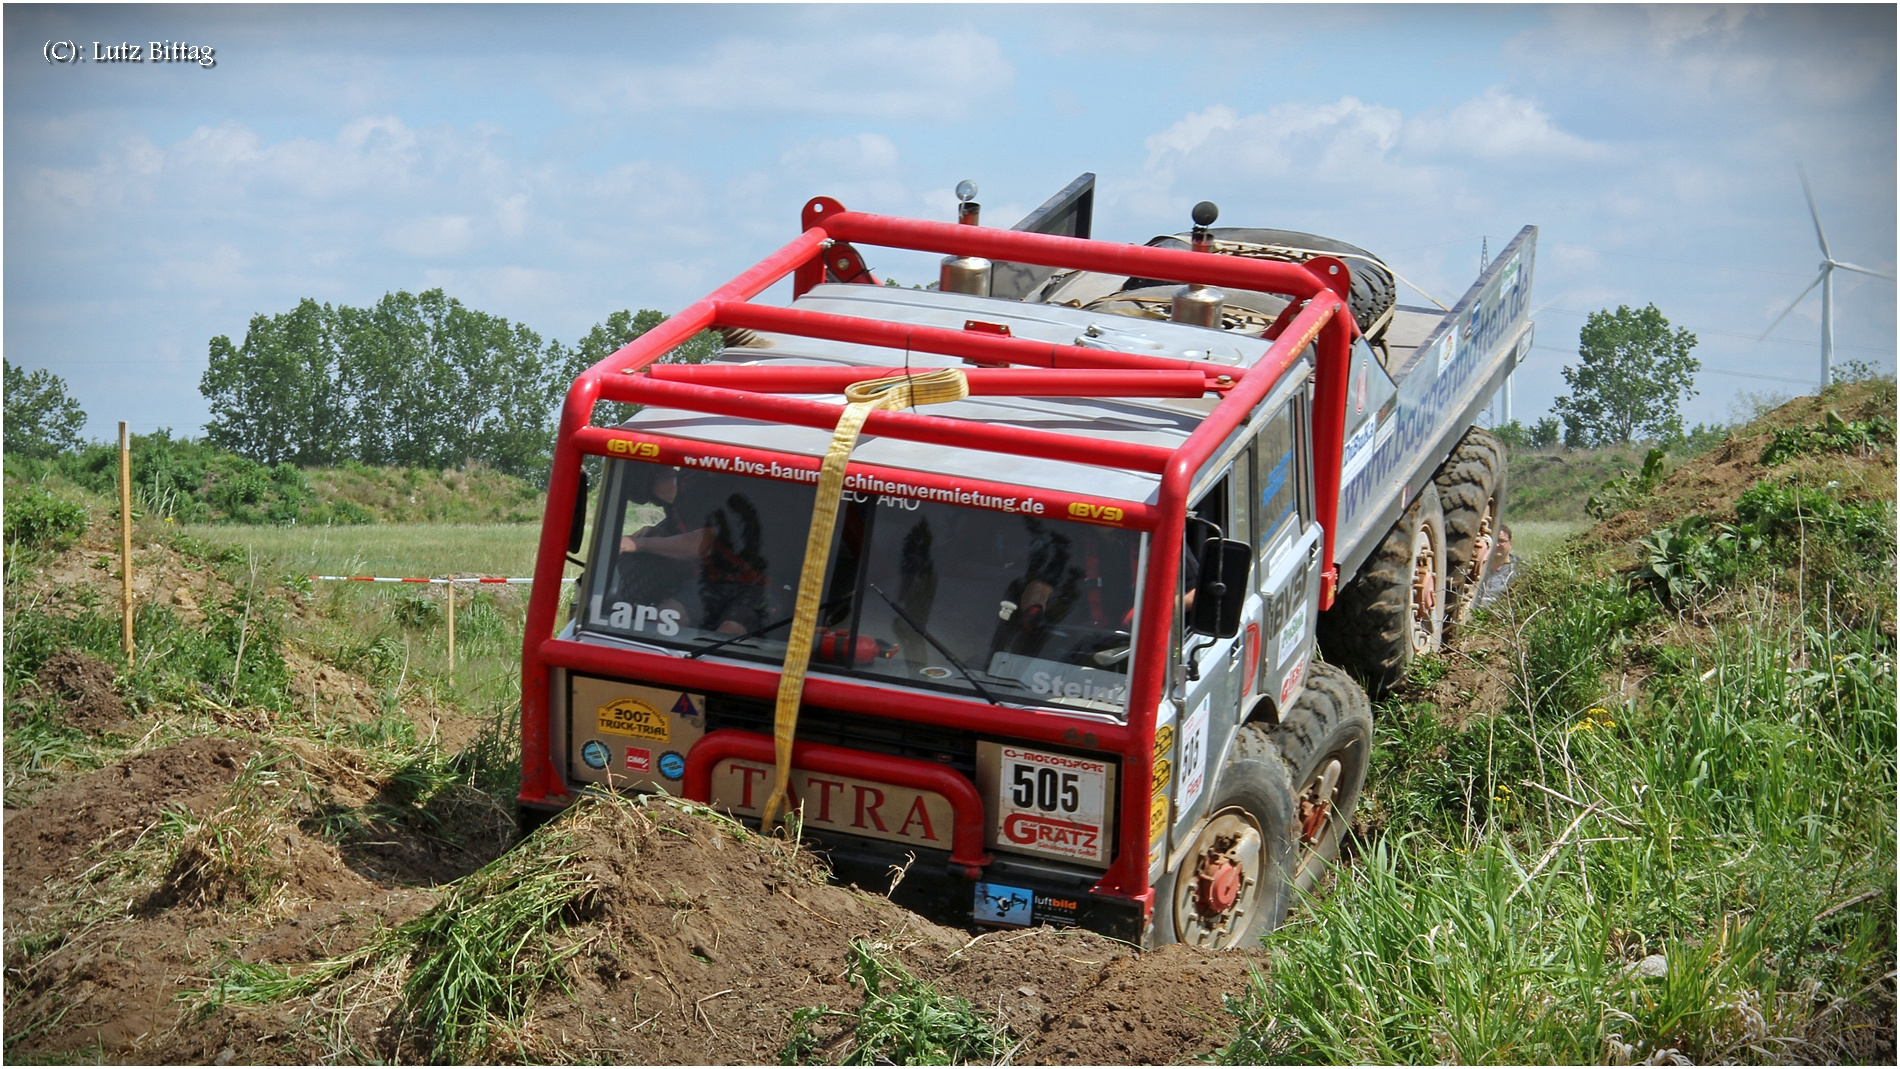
point(693, 944)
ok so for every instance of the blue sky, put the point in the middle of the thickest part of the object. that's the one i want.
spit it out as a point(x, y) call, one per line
point(553, 164)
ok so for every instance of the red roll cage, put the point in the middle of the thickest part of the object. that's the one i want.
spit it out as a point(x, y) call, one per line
point(1006, 366)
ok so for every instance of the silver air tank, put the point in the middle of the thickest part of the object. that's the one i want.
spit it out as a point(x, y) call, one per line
point(965, 274)
point(1197, 304)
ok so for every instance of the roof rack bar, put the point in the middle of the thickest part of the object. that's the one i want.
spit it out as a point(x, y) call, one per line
point(984, 382)
point(1173, 265)
point(979, 346)
point(907, 426)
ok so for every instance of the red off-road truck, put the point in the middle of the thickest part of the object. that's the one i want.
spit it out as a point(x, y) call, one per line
point(1047, 632)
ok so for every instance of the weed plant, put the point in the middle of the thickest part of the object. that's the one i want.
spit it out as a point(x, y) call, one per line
point(903, 1020)
point(1675, 839)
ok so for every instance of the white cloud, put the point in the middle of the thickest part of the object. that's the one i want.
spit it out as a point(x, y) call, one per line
point(886, 75)
point(432, 237)
point(1497, 126)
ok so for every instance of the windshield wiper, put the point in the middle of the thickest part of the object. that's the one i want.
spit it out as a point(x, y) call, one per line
point(928, 637)
point(760, 631)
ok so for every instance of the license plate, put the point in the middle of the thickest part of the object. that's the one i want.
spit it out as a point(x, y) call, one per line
point(839, 803)
point(1050, 804)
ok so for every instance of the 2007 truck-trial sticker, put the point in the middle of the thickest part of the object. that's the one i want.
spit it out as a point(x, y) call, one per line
point(1052, 804)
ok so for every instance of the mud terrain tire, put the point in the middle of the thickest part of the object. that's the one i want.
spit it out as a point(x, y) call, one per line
point(1371, 629)
point(1326, 741)
point(1471, 490)
point(1253, 797)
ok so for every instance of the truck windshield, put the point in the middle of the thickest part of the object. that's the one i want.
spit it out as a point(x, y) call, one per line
point(1008, 607)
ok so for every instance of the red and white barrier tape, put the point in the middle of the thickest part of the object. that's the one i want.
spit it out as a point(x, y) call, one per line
point(387, 579)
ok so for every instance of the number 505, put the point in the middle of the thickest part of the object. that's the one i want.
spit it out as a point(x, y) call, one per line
point(1046, 789)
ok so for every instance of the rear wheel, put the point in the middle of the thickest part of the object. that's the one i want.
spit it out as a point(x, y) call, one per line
point(1326, 741)
point(1230, 888)
point(1471, 489)
point(1394, 609)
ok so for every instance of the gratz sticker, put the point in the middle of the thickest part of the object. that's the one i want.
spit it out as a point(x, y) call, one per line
point(632, 716)
point(1194, 755)
point(1052, 804)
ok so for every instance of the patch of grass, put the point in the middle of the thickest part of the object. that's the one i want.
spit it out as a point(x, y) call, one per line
point(397, 549)
point(231, 856)
point(37, 519)
point(1628, 488)
point(475, 961)
point(903, 1020)
point(1833, 435)
point(1604, 872)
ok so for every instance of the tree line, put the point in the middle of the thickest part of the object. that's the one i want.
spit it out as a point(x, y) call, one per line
point(416, 380)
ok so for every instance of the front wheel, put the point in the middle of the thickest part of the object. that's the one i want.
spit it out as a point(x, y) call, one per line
point(1230, 888)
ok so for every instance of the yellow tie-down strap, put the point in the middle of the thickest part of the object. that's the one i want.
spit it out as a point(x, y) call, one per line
point(896, 391)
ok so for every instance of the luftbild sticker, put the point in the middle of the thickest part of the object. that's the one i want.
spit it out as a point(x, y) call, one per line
point(632, 716)
point(999, 904)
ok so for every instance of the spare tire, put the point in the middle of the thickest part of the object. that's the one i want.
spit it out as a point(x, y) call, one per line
point(1374, 288)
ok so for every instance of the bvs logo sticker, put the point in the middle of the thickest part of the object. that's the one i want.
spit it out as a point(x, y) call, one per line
point(1082, 510)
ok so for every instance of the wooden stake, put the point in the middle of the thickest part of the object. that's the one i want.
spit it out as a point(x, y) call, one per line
point(451, 591)
point(125, 536)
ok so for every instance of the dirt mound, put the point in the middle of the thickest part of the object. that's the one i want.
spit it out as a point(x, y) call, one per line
point(696, 941)
point(83, 687)
point(1711, 483)
point(77, 821)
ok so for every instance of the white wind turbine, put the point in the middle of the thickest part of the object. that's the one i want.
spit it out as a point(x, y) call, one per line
point(1825, 280)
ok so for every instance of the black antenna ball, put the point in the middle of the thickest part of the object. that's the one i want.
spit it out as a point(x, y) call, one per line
point(1205, 213)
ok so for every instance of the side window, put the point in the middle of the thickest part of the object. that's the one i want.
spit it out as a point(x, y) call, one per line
point(1240, 527)
point(1212, 508)
point(1277, 476)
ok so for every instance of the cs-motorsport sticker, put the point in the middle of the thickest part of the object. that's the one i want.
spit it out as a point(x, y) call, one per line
point(672, 765)
point(595, 754)
point(1052, 804)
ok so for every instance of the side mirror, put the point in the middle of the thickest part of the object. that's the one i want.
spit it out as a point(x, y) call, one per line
point(578, 527)
point(1222, 591)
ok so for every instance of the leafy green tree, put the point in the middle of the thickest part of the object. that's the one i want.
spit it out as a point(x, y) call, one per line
point(1634, 374)
point(276, 397)
point(42, 419)
point(417, 380)
point(622, 327)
